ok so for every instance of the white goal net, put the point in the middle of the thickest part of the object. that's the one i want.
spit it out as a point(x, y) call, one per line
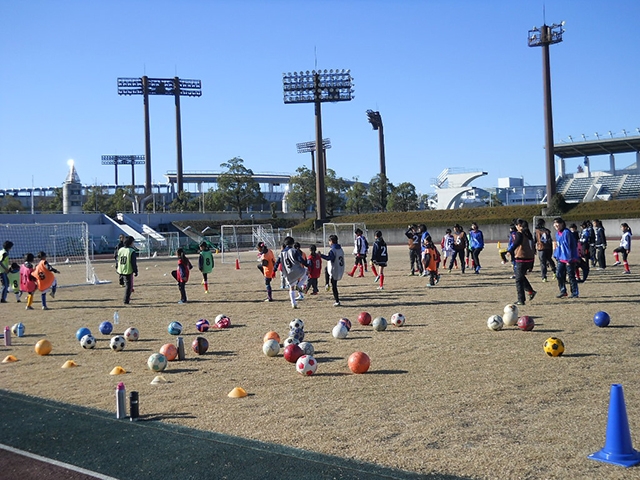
point(65, 244)
point(346, 233)
point(237, 238)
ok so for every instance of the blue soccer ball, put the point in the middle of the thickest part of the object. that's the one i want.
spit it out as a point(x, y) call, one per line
point(105, 328)
point(601, 319)
point(82, 332)
point(174, 328)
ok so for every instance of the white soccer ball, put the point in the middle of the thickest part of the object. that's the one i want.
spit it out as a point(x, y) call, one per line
point(510, 318)
point(117, 343)
point(297, 333)
point(306, 365)
point(296, 323)
point(379, 324)
point(398, 319)
point(290, 340)
point(88, 342)
point(307, 348)
point(271, 348)
point(157, 362)
point(494, 322)
point(340, 331)
point(131, 334)
point(512, 307)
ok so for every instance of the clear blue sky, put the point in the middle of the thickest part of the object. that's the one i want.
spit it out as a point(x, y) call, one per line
point(455, 82)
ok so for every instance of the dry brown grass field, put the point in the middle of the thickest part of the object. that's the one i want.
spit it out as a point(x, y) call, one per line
point(444, 394)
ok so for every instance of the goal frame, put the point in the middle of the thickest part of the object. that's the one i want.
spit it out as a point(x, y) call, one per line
point(340, 229)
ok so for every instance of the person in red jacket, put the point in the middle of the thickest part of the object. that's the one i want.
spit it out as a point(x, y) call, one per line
point(182, 274)
point(314, 264)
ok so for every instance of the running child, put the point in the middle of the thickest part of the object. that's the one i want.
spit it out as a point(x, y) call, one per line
point(431, 261)
point(27, 280)
point(335, 266)
point(182, 274)
point(13, 275)
point(447, 246)
point(624, 248)
point(45, 279)
point(205, 264)
point(379, 258)
point(292, 268)
point(267, 266)
point(361, 246)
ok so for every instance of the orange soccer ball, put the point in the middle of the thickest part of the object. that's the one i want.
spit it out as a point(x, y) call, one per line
point(359, 362)
point(170, 351)
point(271, 336)
point(43, 347)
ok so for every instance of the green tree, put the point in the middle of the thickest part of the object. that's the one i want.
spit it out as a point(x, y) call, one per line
point(183, 202)
point(237, 187)
point(213, 201)
point(357, 198)
point(336, 188)
point(97, 200)
point(302, 191)
point(403, 198)
point(379, 190)
point(12, 205)
point(52, 203)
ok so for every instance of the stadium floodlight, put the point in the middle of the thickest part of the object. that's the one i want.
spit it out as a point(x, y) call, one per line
point(375, 119)
point(146, 86)
point(543, 37)
point(116, 160)
point(317, 87)
point(310, 147)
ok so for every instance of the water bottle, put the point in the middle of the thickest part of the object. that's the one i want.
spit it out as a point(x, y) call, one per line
point(7, 336)
point(134, 408)
point(180, 346)
point(116, 318)
point(121, 406)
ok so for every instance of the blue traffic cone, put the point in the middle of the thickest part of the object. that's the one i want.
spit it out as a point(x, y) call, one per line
point(618, 449)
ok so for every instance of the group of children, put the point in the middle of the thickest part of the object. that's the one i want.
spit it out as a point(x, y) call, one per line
point(28, 277)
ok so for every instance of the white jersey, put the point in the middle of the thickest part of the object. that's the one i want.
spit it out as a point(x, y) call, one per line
point(336, 266)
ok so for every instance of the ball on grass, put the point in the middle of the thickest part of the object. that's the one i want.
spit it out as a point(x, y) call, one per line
point(495, 322)
point(132, 334)
point(379, 324)
point(359, 362)
point(306, 365)
point(271, 336)
point(105, 328)
point(292, 353)
point(170, 351)
point(398, 319)
point(554, 347)
point(271, 348)
point(88, 342)
point(526, 323)
point(202, 325)
point(340, 331)
point(200, 345)
point(601, 319)
point(157, 362)
point(43, 347)
point(364, 318)
point(82, 332)
point(174, 328)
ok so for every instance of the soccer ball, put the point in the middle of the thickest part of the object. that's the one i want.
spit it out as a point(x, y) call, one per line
point(346, 322)
point(297, 333)
point(398, 319)
point(512, 307)
point(554, 347)
point(510, 318)
point(526, 323)
point(296, 323)
point(340, 331)
point(105, 328)
point(202, 325)
point(18, 329)
point(200, 345)
point(292, 353)
point(157, 362)
point(174, 328)
point(495, 322)
point(364, 318)
point(306, 365)
point(82, 332)
point(359, 362)
point(131, 334)
point(601, 319)
point(307, 348)
point(117, 343)
point(271, 336)
point(170, 351)
point(222, 321)
point(43, 347)
point(271, 348)
point(88, 342)
point(379, 324)
point(290, 341)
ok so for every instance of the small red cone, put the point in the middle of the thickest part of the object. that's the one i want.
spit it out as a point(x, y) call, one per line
point(237, 264)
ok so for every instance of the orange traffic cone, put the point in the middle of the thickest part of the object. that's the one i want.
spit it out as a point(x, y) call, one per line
point(237, 264)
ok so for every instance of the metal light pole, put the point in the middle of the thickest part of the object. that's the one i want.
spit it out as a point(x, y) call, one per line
point(310, 147)
point(116, 160)
point(543, 37)
point(316, 87)
point(146, 86)
point(375, 119)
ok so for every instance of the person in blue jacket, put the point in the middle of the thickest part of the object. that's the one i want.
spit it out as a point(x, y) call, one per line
point(476, 245)
point(566, 253)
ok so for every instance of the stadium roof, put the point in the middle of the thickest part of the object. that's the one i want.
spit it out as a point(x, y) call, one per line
point(597, 147)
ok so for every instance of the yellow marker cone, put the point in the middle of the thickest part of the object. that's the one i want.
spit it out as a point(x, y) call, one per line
point(117, 371)
point(9, 359)
point(69, 364)
point(158, 380)
point(237, 392)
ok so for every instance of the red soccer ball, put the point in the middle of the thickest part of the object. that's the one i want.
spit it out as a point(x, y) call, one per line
point(200, 345)
point(346, 322)
point(364, 318)
point(292, 353)
point(526, 323)
point(359, 362)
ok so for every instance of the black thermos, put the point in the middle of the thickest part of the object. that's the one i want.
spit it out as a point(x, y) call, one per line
point(134, 407)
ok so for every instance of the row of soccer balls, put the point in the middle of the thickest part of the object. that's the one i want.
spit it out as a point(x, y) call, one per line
point(202, 325)
point(157, 362)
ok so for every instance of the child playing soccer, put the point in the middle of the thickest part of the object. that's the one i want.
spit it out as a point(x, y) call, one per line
point(267, 266)
point(314, 264)
point(128, 266)
point(293, 270)
point(45, 279)
point(335, 266)
point(14, 280)
point(379, 258)
point(360, 252)
point(27, 280)
point(624, 248)
point(431, 261)
point(182, 274)
point(4, 269)
point(205, 264)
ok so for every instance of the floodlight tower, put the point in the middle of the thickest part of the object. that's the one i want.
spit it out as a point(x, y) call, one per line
point(316, 87)
point(310, 147)
point(146, 86)
point(543, 37)
point(116, 160)
point(375, 119)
